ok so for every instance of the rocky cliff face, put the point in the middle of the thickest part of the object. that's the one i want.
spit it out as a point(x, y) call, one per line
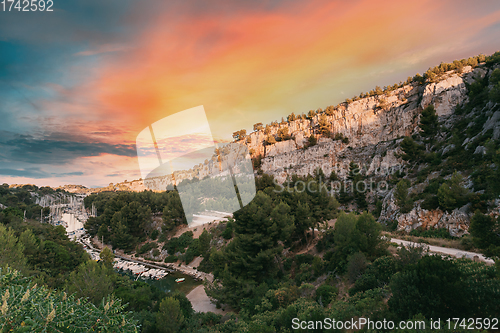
point(367, 122)
point(374, 127)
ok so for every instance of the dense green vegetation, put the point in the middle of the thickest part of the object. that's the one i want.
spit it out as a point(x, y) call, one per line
point(28, 307)
point(278, 258)
point(100, 298)
point(124, 218)
point(19, 202)
point(35, 248)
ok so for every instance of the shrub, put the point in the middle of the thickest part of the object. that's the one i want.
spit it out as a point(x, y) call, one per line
point(412, 150)
point(495, 76)
point(402, 199)
point(484, 230)
point(429, 122)
point(28, 307)
point(430, 288)
point(283, 134)
point(495, 93)
point(147, 247)
point(432, 233)
point(451, 194)
point(154, 234)
point(228, 232)
point(409, 255)
point(270, 140)
point(170, 259)
point(356, 266)
point(324, 126)
point(325, 294)
point(430, 202)
point(312, 141)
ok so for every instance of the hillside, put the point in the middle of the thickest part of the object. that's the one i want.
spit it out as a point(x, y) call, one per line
point(368, 130)
point(332, 188)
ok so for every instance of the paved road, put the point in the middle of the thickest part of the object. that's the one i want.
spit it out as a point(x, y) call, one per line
point(445, 250)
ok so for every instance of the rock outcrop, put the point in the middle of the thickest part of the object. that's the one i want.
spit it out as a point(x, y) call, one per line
point(366, 122)
point(456, 222)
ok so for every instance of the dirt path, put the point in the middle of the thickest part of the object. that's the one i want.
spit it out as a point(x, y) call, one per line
point(198, 229)
point(447, 251)
point(201, 302)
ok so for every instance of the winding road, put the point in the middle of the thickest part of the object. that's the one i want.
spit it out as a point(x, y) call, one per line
point(445, 250)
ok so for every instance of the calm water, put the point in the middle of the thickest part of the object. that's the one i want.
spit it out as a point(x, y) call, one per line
point(72, 221)
point(168, 283)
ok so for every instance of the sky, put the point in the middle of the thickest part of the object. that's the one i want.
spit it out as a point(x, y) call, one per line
point(79, 84)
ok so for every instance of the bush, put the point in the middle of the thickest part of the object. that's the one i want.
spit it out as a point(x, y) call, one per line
point(154, 234)
point(467, 242)
point(431, 233)
point(30, 307)
point(325, 294)
point(430, 287)
point(365, 282)
point(494, 94)
point(402, 199)
point(170, 259)
point(189, 256)
point(228, 232)
point(312, 141)
point(391, 225)
point(409, 255)
point(412, 150)
point(484, 230)
point(377, 275)
point(430, 202)
point(451, 194)
point(179, 244)
point(356, 266)
point(429, 122)
point(270, 140)
point(147, 247)
point(495, 76)
point(283, 134)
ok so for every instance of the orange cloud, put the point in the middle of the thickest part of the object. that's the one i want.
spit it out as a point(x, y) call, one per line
point(246, 67)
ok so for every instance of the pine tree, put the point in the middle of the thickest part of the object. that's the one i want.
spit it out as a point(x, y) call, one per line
point(11, 250)
point(312, 141)
point(270, 140)
point(429, 123)
point(452, 194)
point(358, 185)
point(107, 256)
point(258, 127)
point(402, 199)
point(324, 127)
point(485, 230)
point(169, 317)
point(412, 151)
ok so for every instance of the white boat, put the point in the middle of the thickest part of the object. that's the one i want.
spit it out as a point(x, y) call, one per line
point(180, 280)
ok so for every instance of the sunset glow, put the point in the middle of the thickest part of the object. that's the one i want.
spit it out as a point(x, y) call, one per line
point(74, 102)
